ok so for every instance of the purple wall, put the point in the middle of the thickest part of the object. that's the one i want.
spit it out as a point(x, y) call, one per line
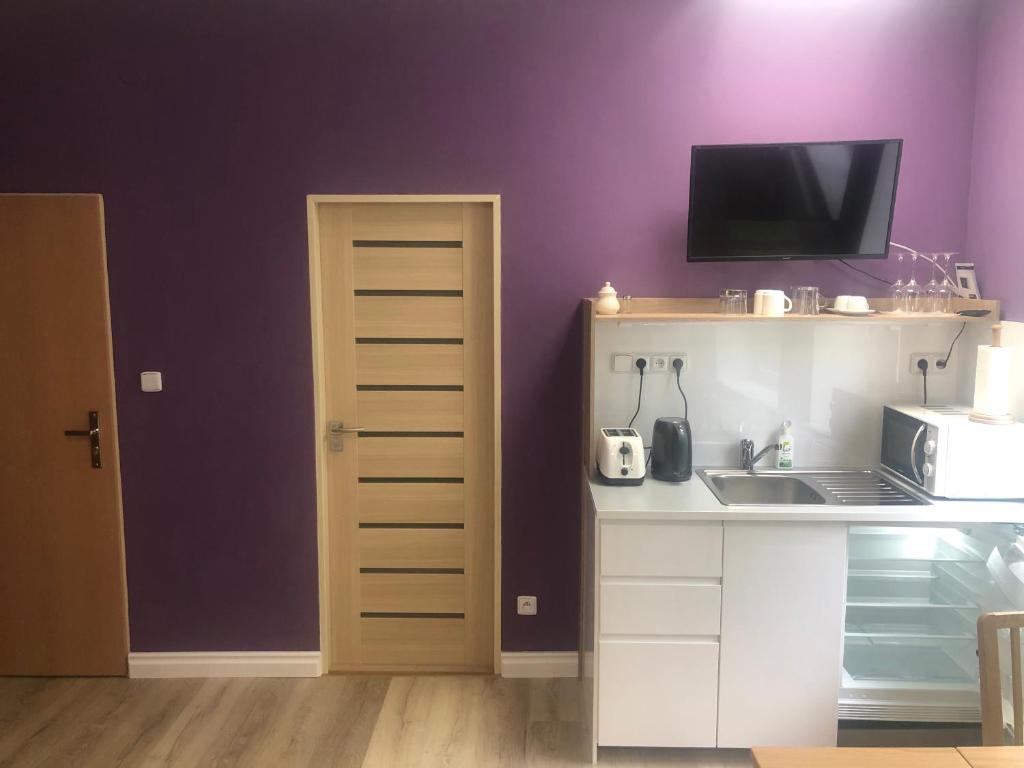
point(995, 232)
point(205, 125)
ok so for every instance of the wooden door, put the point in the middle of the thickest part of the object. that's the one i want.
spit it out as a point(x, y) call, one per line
point(407, 293)
point(62, 585)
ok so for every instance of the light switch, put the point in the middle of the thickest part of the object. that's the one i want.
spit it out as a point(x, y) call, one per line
point(622, 363)
point(152, 381)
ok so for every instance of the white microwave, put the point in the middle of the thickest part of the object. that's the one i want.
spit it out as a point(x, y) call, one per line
point(941, 451)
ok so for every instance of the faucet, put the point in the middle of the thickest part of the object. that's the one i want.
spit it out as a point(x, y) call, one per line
point(747, 456)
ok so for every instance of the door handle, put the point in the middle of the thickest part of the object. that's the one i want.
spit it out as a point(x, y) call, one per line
point(336, 434)
point(93, 433)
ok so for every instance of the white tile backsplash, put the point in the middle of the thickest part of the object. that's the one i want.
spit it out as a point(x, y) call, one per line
point(829, 378)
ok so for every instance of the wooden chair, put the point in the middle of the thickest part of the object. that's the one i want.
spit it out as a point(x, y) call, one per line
point(989, 625)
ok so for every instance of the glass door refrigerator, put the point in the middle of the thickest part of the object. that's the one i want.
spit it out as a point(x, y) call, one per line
point(913, 599)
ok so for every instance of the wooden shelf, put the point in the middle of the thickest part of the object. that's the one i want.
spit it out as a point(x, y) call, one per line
point(706, 310)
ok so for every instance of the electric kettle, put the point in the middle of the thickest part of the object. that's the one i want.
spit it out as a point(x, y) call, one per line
point(672, 450)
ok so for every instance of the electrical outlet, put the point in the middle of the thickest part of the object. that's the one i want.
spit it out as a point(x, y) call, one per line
point(681, 356)
point(647, 363)
point(526, 605)
point(932, 359)
point(659, 364)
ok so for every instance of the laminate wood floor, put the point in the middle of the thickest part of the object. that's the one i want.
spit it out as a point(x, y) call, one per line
point(372, 721)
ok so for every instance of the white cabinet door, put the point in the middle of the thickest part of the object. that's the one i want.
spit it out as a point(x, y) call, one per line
point(657, 693)
point(783, 597)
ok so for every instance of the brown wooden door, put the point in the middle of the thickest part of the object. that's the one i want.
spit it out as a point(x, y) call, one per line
point(408, 338)
point(62, 585)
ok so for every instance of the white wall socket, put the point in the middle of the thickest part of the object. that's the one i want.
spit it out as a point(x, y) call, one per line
point(654, 363)
point(526, 605)
point(933, 358)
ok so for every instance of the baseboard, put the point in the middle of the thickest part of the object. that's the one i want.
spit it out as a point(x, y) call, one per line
point(225, 664)
point(540, 664)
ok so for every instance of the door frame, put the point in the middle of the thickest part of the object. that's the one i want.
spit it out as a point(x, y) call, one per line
point(313, 203)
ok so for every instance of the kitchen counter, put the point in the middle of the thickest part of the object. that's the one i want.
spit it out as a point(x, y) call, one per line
point(693, 500)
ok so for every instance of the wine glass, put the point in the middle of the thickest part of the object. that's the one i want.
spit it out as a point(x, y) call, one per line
point(913, 291)
point(946, 292)
point(898, 290)
point(931, 290)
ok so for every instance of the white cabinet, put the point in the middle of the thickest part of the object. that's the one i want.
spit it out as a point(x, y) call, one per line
point(659, 603)
point(709, 634)
point(783, 593)
point(658, 693)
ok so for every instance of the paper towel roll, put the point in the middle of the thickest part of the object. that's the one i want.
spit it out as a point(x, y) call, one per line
point(992, 381)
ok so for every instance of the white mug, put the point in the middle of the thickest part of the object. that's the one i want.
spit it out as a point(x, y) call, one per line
point(771, 303)
point(852, 304)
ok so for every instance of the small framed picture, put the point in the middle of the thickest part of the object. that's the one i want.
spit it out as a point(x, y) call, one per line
point(966, 280)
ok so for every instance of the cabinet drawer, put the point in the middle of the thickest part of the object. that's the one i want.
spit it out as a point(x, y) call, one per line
point(657, 694)
point(660, 609)
point(661, 549)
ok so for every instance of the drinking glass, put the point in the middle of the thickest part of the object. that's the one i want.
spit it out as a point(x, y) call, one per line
point(732, 301)
point(946, 291)
point(805, 299)
point(898, 290)
point(912, 291)
point(931, 290)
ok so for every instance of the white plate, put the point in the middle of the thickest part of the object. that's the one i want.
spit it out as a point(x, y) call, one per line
point(850, 313)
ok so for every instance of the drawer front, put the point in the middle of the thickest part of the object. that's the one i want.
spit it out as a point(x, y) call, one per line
point(657, 694)
point(661, 549)
point(660, 609)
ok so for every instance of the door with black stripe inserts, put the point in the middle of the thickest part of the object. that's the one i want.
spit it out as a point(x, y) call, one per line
point(408, 348)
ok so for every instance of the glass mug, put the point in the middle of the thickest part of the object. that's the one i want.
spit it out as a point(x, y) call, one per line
point(732, 301)
point(806, 299)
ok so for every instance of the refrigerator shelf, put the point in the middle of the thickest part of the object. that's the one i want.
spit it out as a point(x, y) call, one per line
point(909, 602)
point(909, 622)
point(896, 664)
point(896, 545)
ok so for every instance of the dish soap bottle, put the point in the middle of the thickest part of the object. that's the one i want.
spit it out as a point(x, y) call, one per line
point(784, 456)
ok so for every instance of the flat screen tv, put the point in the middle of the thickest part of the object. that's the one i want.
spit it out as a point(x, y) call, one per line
point(822, 200)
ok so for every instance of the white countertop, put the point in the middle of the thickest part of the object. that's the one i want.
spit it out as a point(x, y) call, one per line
point(693, 500)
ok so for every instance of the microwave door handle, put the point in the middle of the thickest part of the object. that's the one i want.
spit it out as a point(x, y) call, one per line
point(913, 454)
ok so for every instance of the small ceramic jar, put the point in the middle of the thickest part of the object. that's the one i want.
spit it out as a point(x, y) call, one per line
point(607, 303)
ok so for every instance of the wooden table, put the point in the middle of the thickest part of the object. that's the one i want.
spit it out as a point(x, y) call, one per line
point(849, 757)
point(993, 757)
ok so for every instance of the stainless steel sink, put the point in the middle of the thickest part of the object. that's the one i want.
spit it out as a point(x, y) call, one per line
point(762, 489)
point(833, 487)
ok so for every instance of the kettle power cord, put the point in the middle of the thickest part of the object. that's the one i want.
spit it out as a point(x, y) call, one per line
point(641, 364)
point(677, 363)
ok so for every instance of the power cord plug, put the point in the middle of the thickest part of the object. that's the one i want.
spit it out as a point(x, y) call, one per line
point(922, 366)
point(677, 363)
point(640, 364)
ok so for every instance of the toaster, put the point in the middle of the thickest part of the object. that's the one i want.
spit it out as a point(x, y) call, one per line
point(620, 456)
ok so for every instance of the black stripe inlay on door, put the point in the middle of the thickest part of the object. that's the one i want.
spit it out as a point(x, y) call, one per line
point(412, 570)
point(372, 340)
point(453, 480)
point(410, 292)
point(412, 525)
point(398, 614)
point(410, 434)
point(409, 388)
point(406, 243)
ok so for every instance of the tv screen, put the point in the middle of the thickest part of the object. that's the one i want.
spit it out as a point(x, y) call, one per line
point(825, 200)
